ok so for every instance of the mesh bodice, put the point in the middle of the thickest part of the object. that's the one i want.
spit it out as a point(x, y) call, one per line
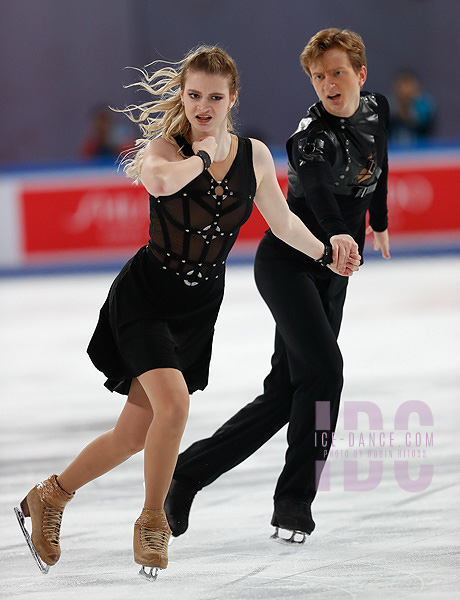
point(193, 230)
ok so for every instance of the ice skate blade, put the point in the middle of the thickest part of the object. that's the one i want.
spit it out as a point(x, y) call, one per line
point(44, 568)
point(149, 575)
point(290, 541)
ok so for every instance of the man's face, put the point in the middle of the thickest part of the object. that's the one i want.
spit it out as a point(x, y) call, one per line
point(336, 83)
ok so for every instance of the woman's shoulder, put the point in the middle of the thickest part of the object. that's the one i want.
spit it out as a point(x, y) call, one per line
point(161, 147)
point(260, 152)
point(258, 144)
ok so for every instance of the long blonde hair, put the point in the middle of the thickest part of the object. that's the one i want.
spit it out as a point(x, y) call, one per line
point(164, 116)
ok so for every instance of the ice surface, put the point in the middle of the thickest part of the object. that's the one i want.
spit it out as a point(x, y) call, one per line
point(400, 341)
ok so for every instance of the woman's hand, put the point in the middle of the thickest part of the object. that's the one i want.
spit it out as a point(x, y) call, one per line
point(352, 264)
point(208, 144)
point(343, 246)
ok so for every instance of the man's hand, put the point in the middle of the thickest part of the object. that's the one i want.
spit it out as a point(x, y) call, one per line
point(381, 241)
point(352, 265)
point(343, 245)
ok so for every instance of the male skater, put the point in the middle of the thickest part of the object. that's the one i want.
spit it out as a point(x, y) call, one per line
point(338, 170)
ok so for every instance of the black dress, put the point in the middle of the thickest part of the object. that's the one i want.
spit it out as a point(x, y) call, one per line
point(162, 307)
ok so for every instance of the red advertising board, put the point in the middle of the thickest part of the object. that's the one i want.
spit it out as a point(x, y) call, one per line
point(111, 216)
point(423, 197)
point(84, 217)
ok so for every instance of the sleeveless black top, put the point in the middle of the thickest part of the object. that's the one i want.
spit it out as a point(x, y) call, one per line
point(193, 230)
point(150, 319)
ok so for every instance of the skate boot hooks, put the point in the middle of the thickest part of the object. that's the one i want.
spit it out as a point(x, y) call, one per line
point(151, 537)
point(44, 504)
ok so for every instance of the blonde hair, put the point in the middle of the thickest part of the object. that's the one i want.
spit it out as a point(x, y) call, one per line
point(324, 40)
point(164, 116)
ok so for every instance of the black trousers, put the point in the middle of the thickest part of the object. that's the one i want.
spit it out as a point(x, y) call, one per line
point(306, 301)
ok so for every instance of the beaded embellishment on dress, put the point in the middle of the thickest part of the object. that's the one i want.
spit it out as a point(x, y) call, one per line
point(192, 231)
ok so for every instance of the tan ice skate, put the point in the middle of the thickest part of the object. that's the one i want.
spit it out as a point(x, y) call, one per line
point(151, 537)
point(44, 504)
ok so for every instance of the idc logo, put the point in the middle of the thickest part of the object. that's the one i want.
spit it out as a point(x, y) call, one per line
point(404, 446)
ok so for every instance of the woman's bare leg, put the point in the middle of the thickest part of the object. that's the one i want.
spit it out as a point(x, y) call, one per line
point(169, 398)
point(113, 447)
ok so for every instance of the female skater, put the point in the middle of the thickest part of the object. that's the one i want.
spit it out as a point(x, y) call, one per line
point(338, 168)
point(154, 335)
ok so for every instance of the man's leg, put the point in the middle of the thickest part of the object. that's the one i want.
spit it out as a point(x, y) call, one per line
point(300, 306)
point(204, 461)
point(317, 373)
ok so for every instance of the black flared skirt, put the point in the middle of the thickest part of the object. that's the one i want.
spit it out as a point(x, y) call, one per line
point(151, 320)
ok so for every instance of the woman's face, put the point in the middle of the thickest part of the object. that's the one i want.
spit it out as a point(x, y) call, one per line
point(336, 83)
point(207, 101)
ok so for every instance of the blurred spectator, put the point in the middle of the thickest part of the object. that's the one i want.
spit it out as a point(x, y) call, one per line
point(412, 111)
point(105, 140)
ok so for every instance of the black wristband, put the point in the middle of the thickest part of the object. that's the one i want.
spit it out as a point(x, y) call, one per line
point(205, 158)
point(326, 259)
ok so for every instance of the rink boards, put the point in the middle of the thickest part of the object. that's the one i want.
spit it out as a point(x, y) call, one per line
point(96, 216)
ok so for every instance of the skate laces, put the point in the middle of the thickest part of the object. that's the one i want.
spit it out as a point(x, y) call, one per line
point(51, 524)
point(154, 540)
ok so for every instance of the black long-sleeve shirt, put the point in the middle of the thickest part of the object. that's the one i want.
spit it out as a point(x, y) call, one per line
point(338, 170)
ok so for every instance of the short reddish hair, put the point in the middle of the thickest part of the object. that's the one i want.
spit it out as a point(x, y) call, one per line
point(326, 39)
